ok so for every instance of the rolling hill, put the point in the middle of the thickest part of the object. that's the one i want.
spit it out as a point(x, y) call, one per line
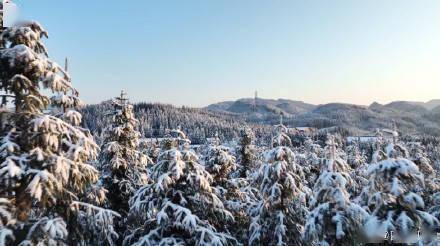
point(411, 117)
point(262, 106)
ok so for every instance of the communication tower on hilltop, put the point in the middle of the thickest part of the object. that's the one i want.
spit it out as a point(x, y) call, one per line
point(254, 106)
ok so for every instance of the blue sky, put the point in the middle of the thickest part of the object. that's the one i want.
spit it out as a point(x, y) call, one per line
point(196, 52)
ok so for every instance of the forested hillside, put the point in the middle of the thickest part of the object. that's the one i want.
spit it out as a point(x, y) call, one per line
point(155, 119)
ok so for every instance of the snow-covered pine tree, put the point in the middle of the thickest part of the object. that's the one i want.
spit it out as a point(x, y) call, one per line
point(396, 148)
point(7, 220)
point(236, 193)
point(435, 207)
point(246, 153)
point(44, 170)
point(360, 174)
point(219, 162)
point(150, 147)
point(308, 156)
point(338, 164)
point(433, 151)
point(333, 218)
point(355, 158)
point(378, 154)
point(333, 157)
point(419, 156)
point(123, 167)
point(179, 207)
point(279, 217)
point(394, 202)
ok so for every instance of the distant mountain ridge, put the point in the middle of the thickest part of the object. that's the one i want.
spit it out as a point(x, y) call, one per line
point(427, 105)
point(287, 106)
point(409, 116)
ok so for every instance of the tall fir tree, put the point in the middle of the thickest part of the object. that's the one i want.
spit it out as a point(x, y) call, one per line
point(419, 156)
point(123, 167)
point(378, 154)
point(246, 152)
point(44, 171)
point(219, 162)
point(279, 217)
point(355, 158)
point(236, 193)
point(179, 207)
point(334, 158)
point(333, 218)
point(308, 156)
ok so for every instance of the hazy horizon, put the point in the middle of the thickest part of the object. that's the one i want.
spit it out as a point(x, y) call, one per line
point(197, 53)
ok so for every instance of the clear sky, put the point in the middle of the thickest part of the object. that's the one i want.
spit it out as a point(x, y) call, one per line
point(197, 52)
